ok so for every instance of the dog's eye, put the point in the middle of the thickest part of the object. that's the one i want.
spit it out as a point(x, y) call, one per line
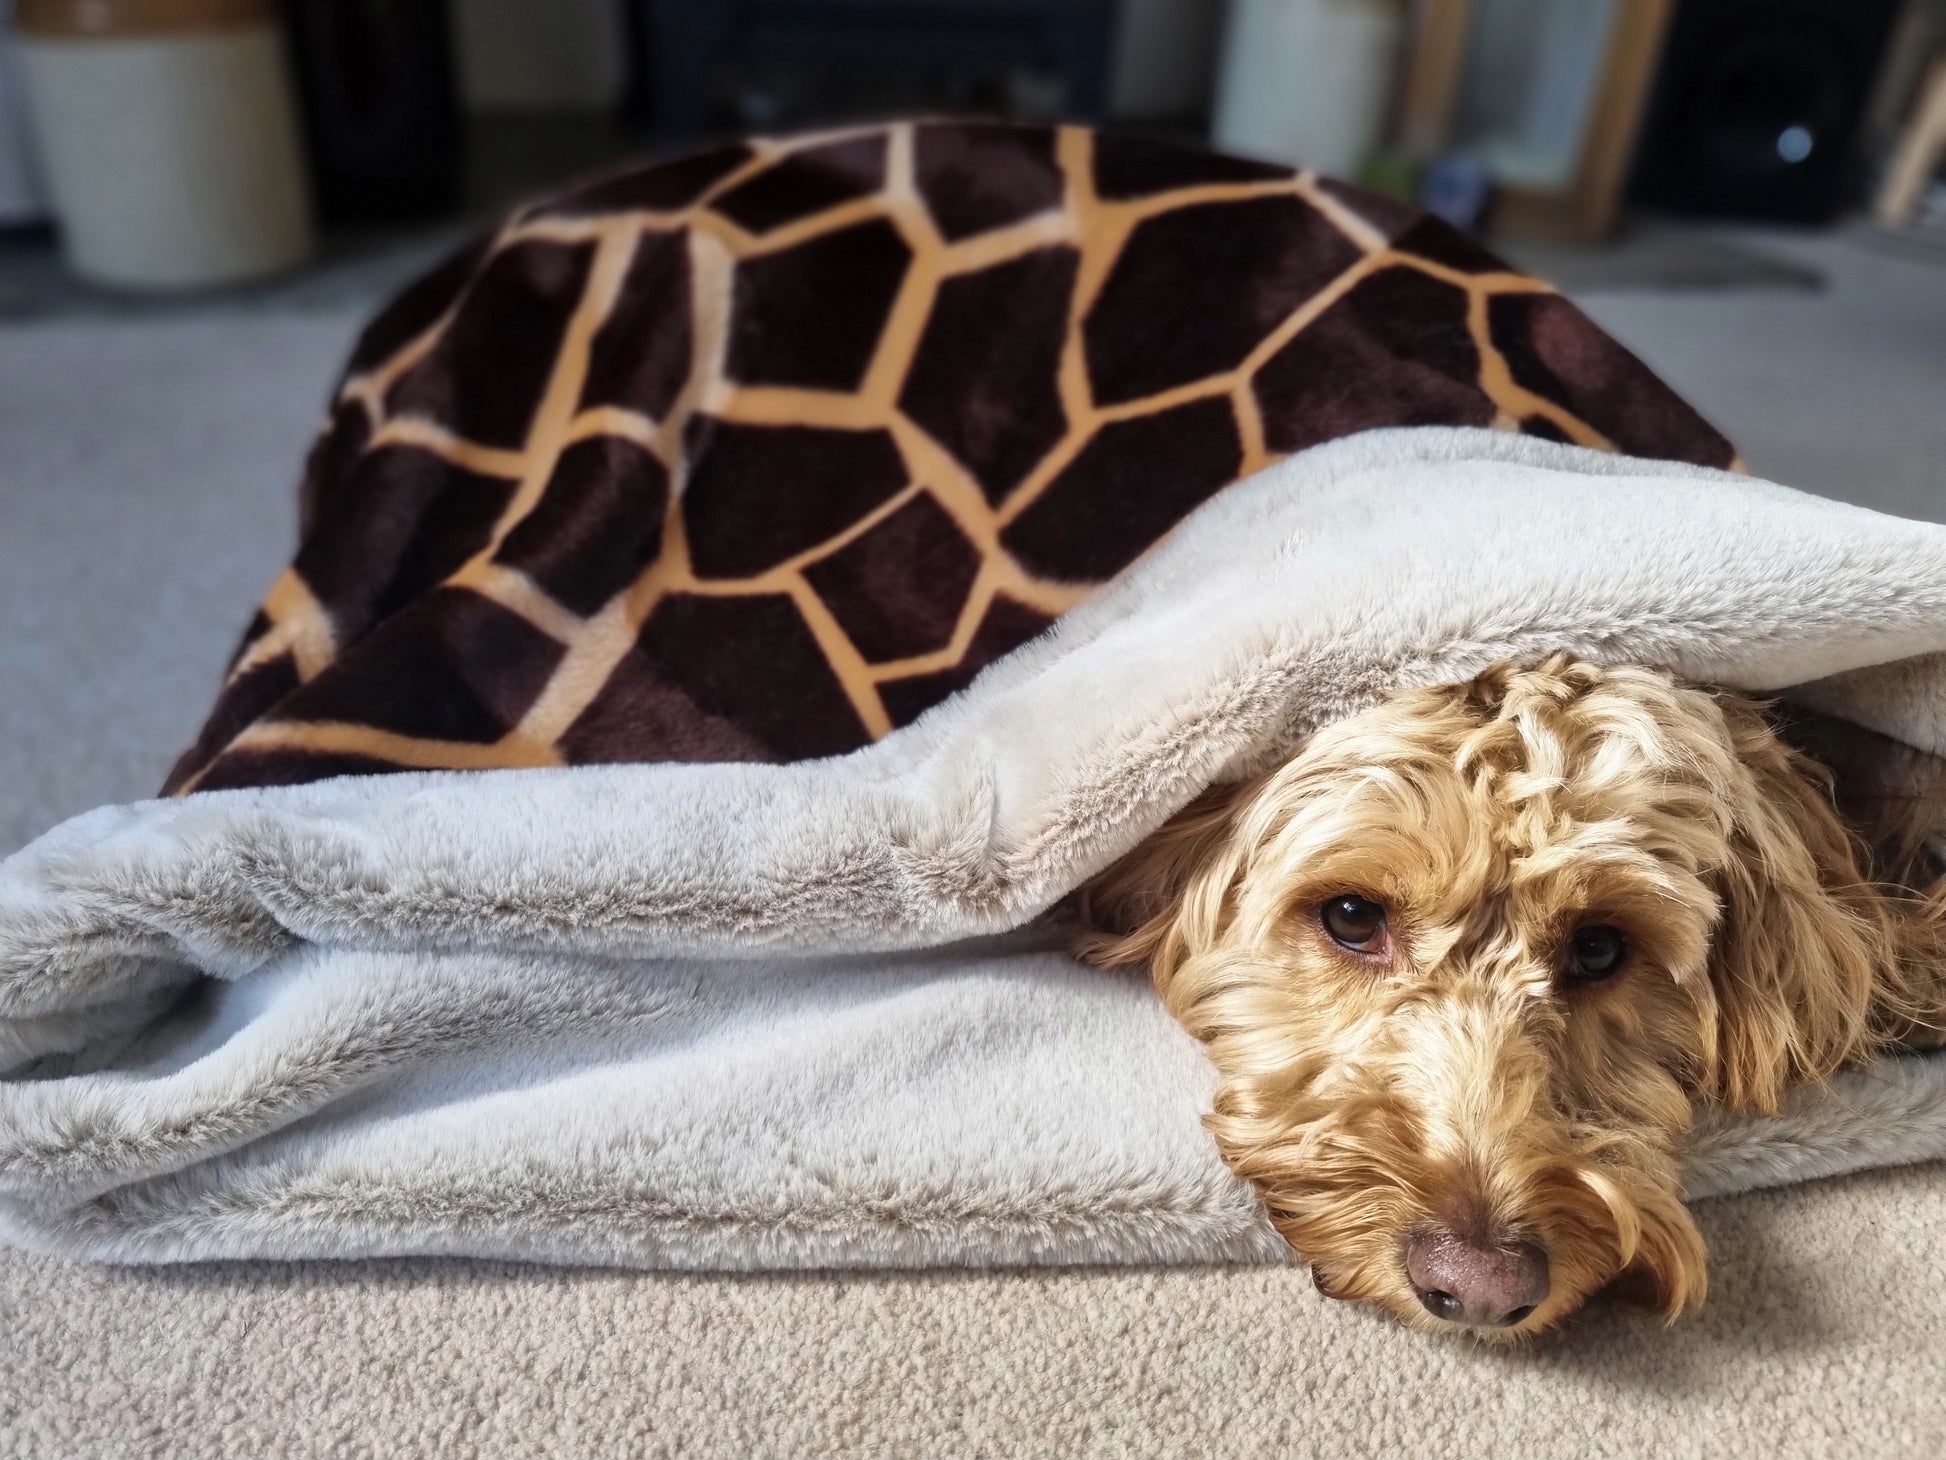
point(1354, 922)
point(1596, 952)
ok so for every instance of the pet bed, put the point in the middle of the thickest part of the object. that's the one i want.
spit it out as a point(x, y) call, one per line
point(740, 598)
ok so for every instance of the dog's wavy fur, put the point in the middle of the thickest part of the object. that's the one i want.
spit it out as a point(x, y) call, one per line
point(1458, 1082)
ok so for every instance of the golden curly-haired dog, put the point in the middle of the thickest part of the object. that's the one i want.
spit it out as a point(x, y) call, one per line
point(1468, 960)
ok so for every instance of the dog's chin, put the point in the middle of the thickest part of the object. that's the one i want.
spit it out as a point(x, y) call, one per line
point(1639, 1249)
point(1347, 1179)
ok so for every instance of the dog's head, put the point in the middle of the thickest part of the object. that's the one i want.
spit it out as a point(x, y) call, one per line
point(1466, 962)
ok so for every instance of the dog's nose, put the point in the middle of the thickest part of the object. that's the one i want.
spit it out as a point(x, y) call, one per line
point(1464, 1281)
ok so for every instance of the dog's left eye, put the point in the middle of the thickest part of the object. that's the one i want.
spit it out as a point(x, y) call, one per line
point(1354, 922)
point(1596, 952)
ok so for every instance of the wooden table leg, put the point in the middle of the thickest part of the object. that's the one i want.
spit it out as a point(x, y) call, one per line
point(1920, 150)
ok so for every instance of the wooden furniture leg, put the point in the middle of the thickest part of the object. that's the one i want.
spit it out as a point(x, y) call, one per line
point(1921, 148)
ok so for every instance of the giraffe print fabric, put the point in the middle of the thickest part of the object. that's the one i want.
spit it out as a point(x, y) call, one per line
point(760, 453)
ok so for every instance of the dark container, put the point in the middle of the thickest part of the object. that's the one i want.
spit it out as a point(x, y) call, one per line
point(381, 106)
point(1757, 106)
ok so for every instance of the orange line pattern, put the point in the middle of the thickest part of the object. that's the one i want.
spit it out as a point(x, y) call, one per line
point(718, 245)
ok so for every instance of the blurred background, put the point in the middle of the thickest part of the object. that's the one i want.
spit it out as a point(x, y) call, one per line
point(201, 199)
point(161, 145)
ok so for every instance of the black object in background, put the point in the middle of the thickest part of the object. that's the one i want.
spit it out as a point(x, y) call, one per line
point(1757, 105)
point(381, 106)
point(916, 55)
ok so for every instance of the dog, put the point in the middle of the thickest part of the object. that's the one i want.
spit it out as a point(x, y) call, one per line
point(1468, 962)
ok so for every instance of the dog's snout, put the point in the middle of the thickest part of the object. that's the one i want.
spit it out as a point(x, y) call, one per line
point(1465, 1281)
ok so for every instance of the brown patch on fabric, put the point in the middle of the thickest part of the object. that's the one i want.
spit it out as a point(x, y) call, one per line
point(1194, 291)
point(401, 523)
point(1556, 351)
point(812, 315)
point(1545, 429)
point(259, 626)
point(596, 527)
point(658, 186)
point(1439, 241)
point(484, 378)
point(641, 354)
point(1395, 351)
point(453, 666)
point(642, 714)
point(979, 176)
point(1128, 487)
point(1006, 626)
point(758, 495)
point(418, 308)
point(755, 664)
point(331, 458)
point(240, 704)
point(806, 182)
point(1137, 167)
point(897, 589)
point(1417, 318)
point(984, 382)
point(243, 769)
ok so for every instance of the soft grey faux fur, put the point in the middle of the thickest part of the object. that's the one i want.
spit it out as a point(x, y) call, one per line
point(756, 1016)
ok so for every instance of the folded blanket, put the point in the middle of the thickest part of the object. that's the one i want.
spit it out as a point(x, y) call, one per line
point(748, 1013)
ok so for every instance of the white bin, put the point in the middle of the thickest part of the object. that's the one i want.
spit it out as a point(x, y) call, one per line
point(168, 136)
point(1307, 82)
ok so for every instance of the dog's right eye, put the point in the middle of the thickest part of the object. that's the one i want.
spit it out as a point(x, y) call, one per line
point(1354, 922)
point(1595, 953)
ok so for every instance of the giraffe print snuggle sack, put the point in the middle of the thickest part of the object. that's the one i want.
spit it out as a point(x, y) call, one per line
point(762, 453)
point(738, 599)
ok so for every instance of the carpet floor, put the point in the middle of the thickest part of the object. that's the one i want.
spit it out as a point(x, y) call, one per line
point(147, 499)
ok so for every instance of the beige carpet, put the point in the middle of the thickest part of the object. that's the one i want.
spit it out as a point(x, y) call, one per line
point(1827, 1338)
point(146, 500)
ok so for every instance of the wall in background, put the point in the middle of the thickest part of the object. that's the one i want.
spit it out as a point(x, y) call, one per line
point(1308, 82)
point(567, 55)
point(20, 192)
point(1165, 58)
point(539, 55)
point(1528, 86)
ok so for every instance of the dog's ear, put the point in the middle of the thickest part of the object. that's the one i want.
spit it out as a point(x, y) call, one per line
point(1171, 894)
point(1808, 951)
